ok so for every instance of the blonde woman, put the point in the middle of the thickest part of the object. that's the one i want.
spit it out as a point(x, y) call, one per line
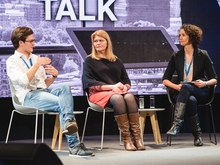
point(107, 84)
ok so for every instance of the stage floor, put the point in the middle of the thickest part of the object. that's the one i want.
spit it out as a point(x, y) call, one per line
point(181, 152)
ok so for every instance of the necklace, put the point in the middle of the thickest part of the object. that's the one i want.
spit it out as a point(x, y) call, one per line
point(187, 69)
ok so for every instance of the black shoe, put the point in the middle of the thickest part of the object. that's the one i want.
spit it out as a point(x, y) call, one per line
point(174, 130)
point(198, 141)
point(80, 151)
point(70, 127)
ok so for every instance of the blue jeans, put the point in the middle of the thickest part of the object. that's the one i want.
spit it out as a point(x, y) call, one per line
point(191, 95)
point(58, 99)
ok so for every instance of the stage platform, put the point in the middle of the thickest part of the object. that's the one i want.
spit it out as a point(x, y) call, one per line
point(181, 152)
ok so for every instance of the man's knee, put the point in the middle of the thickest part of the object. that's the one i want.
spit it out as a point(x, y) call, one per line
point(65, 87)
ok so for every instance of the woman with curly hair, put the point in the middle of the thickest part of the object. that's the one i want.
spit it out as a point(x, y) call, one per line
point(196, 75)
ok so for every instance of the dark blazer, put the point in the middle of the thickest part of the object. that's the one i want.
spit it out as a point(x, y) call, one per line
point(202, 66)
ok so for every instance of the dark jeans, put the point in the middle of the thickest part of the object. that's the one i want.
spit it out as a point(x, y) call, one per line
point(191, 95)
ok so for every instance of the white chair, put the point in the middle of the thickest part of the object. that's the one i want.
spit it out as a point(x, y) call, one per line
point(24, 110)
point(96, 108)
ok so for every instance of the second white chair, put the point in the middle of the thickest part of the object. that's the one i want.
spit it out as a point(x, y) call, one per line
point(96, 108)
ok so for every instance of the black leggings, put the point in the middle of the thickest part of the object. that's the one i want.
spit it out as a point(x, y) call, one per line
point(123, 103)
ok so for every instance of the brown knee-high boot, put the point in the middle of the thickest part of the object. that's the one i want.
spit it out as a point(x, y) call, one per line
point(136, 132)
point(124, 127)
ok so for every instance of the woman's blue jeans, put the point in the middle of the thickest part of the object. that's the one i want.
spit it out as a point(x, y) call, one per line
point(191, 95)
point(58, 99)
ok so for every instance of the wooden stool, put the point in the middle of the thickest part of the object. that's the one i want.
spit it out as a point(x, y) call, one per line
point(58, 131)
point(151, 112)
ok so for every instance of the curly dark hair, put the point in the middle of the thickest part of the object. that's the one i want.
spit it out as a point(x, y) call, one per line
point(20, 34)
point(194, 32)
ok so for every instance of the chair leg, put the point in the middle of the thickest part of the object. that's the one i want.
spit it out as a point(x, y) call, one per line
point(36, 122)
point(42, 133)
point(120, 138)
point(9, 127)
point(103, 129)
point(169, 138)
point(213, 126)
point(84, 128)
point(77, 133)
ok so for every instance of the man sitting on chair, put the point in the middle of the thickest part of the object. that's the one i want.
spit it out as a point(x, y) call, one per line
point(27, 73)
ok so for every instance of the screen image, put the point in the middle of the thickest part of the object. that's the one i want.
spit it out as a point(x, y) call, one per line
point(136, 47)
point(145, 53)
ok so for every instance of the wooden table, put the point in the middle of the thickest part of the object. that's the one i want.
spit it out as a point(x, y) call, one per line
point(57, 133)
point(151, 112)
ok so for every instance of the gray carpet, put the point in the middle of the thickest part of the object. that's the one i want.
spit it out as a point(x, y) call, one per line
point(181, 152)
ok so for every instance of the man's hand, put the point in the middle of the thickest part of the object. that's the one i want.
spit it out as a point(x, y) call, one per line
point(43, 61)
point(49, 69)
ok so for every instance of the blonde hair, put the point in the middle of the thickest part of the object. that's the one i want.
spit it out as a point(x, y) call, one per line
point(109, 49)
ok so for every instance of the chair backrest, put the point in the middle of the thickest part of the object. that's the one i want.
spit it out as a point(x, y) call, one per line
point(213, 87)
point(171, 93)
point(17, 105)
point(15, 100)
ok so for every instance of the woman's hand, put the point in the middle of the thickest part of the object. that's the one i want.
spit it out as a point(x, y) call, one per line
point(119, 87)
point(199, 83)
point(125, 88)
point(178, 87)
